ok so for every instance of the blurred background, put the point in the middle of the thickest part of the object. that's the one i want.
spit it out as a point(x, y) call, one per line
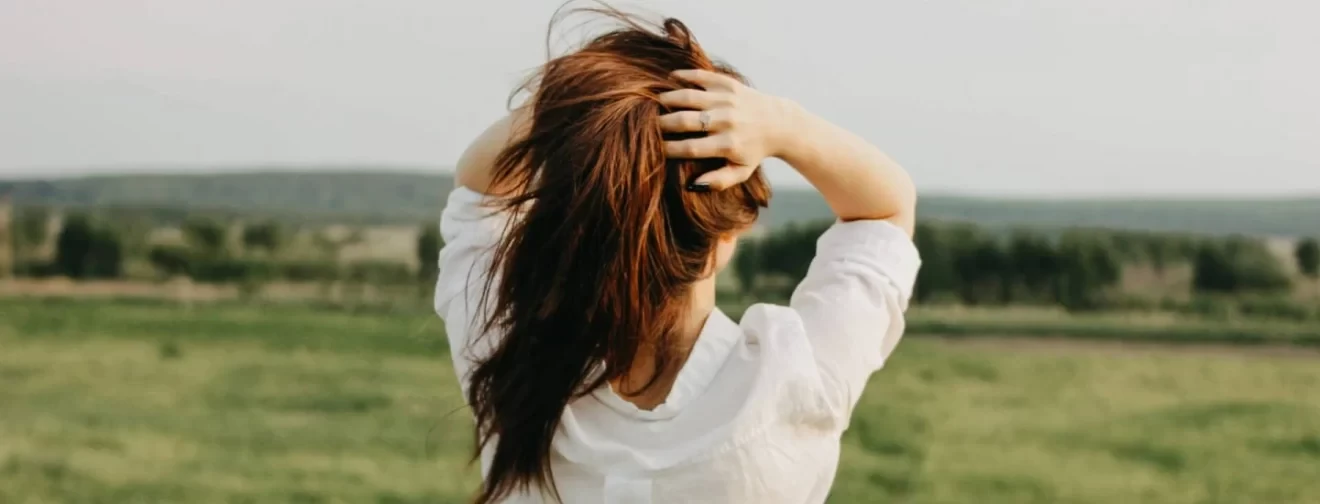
point(218, 241)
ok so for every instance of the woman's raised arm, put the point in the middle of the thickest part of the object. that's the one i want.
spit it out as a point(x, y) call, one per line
point(477, 162)
point(745, 126)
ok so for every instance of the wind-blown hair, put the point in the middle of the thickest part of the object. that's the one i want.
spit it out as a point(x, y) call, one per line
point(608, 241)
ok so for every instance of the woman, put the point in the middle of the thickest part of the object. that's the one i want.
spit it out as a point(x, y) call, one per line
point(578, 284)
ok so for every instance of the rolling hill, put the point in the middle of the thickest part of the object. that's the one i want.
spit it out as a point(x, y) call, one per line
point(374, 195)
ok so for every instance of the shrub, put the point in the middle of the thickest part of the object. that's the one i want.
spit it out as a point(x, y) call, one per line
point(786, 254)
point(307, 271)
point(266, 236)
point(32, 268)
point(1034, 263)
point(379, 273)
point(30, 229)
point(747, 265)
point(980, 264)
point(1308, 257)
point(227, 270)
point(937, 274)
point(170, 260)
point(73, 245)
point(1237, 265)
point(428, 251)
point(1213, 307)
point(206, 236)
point(105, 257)
point(84, 250)
point(1275, 308)
point(1129, 303)
point(1088, 266)
point(790, 250)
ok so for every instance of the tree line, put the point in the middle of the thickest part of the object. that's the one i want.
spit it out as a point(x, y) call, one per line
point(212, 251)
point(1078, 269)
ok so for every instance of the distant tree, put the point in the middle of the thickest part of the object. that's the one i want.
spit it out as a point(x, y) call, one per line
point(9, 247)
point(219, 270)
point(1237, 264)
point(73, 245)
point(788, 252)
point(1186, 248)
point(84, 250)
point(308, 271)
point(1259, 270)
point(746, 265)
point(30, 229)
point(170, 260)
point(937, 275)
point(980, 264)
point(428, 251)
point(1308, 257)
point(780, 258)
point(105, 259)
point(1213, 269)
point(1088, 265)
point(332, 244)
point(207, 236)
point(992, 272)
point(1163, 250)
point(267, 236)
point(1034, 263)
point(381, 272)
point(134, 233)
point(1130, 246)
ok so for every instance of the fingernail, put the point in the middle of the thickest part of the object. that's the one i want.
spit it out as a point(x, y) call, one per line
point(698, 186)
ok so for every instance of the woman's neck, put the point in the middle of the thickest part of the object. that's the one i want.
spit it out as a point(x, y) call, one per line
point(701, 303)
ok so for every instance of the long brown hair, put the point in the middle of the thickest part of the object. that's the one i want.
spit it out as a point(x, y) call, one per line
point(599, 264)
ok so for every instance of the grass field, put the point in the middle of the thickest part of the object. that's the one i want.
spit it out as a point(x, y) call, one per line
point(1110, 326)
point(124, 402)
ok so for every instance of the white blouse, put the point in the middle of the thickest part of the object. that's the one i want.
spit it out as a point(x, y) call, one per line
point(756, 412)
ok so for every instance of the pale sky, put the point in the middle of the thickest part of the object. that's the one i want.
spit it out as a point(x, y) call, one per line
point(1029, 97)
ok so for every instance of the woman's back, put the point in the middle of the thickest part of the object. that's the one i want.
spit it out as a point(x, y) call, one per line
point(577, 282)
point(755, 413)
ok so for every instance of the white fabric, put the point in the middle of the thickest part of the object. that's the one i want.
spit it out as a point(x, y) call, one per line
point(756, 412)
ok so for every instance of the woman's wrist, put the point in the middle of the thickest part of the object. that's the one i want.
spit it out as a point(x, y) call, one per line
point(786, 136)
point(799, 135)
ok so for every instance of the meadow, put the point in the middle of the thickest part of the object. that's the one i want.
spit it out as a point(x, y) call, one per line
point(113, 401)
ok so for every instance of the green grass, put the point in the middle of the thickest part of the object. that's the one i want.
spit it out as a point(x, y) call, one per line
point(1114, 326)
point(1044, 322)
point(145, 402)
point(952, 424)
point(123, 402)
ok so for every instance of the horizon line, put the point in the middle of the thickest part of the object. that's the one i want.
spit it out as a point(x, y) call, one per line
point(367, 168)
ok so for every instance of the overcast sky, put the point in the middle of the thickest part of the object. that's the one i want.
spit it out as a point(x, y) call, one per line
point(1030, 97)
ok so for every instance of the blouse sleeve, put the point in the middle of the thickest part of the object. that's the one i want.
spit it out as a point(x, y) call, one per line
point(471, 230)
point(851, 303)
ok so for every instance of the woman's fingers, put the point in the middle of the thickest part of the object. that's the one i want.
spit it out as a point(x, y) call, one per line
point(721, 179)
point(706, 110)
point(697, 148)
point(694, 99)
point(688, 121)
point(707, 79)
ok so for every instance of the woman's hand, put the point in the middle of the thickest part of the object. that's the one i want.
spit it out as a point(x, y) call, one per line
point(745, 126)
